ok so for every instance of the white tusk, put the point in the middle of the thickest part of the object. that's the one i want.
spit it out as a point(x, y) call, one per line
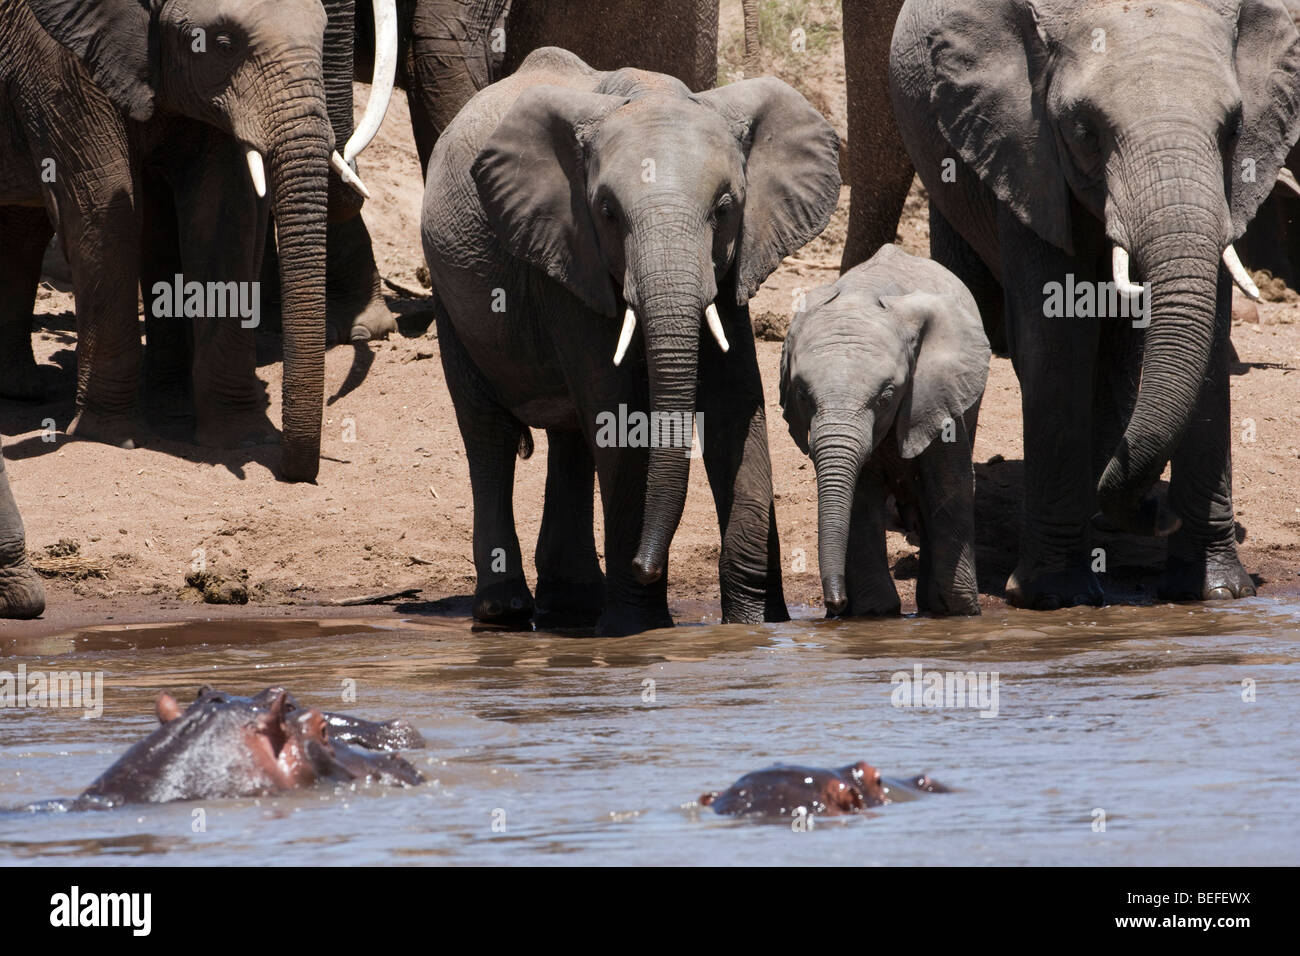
point(1287, 179)
point(1119, 266)
point(381, 84)
point(625, 337)
point(257, 172)
point(1239, 273)
point(347, 175)
point(715, 326)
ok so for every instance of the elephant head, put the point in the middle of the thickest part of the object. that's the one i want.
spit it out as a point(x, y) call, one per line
point(864, 359)
point(649, 202)
point(253, 69)
point(1167, 122)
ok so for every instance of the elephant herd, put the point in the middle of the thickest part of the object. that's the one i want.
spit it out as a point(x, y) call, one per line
point(597, 217)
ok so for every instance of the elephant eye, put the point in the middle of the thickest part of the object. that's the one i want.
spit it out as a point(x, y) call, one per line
point(885, 397)
point(607, 211)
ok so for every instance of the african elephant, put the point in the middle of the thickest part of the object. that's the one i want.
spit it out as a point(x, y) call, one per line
point(881, 379)
point(93, 140)
point(21, 591)
point(1060, 142)
point(558, 200)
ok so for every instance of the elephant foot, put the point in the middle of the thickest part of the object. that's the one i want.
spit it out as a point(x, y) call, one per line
point(357, 322)
point(1215, 576)
point(955, 603)
point(504, 604)
point(21, 380)
point(878, 601)
point(22, 595)
point(235, 430)
point(569, 603)
point(121, 430)
point(623, 620)
point(1050, 590)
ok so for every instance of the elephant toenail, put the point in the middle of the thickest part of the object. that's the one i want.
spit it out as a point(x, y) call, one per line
point(1219, 594)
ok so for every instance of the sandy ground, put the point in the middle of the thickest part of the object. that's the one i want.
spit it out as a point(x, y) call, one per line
point(391, 510)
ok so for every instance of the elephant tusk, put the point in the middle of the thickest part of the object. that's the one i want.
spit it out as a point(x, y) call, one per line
point(1287, 179)
point(381, 84)
point(1239, 273)
point(625, 336)
point(1119, 266)
point(347, 175)
point(715, 326)
point(257, 172)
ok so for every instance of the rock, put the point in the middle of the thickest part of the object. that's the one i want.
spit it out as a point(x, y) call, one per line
point(771, 327)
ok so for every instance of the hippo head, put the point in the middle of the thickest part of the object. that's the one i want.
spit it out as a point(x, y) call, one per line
point(781, 791)
point(223, 745)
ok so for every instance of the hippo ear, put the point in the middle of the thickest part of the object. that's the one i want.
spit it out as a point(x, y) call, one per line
point(707, 798)
point(951, 365)
point(167, 708)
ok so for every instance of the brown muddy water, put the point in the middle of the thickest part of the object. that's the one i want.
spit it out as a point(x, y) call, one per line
point(1174, 727)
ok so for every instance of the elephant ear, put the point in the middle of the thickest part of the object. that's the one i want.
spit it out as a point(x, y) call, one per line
point(112, 38)
point(987, 92)
point(531, 178)
point(951, 365)
point(792, 173)
point(1268, 75)
point(795, 414)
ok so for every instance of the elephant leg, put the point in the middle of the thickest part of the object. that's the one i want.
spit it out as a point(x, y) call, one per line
point(169, 349)
point(947, 582)
point(867, 579)
point(879, 169)
point(570, 585)
point(21, 593)
point(355, 307)
point(101, 240)
point(950, 250)
point(733, 431)
point(1054, 358)
point(492, 437)
point(1203, 563)
point(24, 234)
point(220, 223)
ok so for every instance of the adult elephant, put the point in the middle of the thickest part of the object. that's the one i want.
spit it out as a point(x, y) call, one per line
point(878, 168)
point(1060, 142)
point(249, 71)
point(21, 592)
point(558, 200)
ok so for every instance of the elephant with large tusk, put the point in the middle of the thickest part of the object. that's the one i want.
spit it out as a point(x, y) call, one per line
point(569, 215)
point(1086, 145)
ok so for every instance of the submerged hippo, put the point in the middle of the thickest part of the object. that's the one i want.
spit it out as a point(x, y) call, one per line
point(223, 745)
point(783, 791)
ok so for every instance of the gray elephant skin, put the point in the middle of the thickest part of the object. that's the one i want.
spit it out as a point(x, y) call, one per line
point(882, 374)
point(144, 121)
point(21, 592)
point(560, 200)
point(1080, 138)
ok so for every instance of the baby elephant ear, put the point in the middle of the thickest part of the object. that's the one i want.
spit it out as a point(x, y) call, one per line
point(112, 38)
point(951, 365)
point(792, 173)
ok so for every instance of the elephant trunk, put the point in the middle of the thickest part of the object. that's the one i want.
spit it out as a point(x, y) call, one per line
point(299, 165)
point(670, 305)
point(1177, 235)
point(337, 60)
point(839, 448)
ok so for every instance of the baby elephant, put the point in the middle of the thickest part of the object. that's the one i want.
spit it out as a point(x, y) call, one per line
point(881, 379)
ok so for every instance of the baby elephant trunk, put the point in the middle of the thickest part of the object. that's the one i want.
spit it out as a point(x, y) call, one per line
point(840, 446)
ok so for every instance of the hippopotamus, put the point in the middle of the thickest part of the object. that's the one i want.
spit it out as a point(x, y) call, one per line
point(224, 745)
point(784, 791)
